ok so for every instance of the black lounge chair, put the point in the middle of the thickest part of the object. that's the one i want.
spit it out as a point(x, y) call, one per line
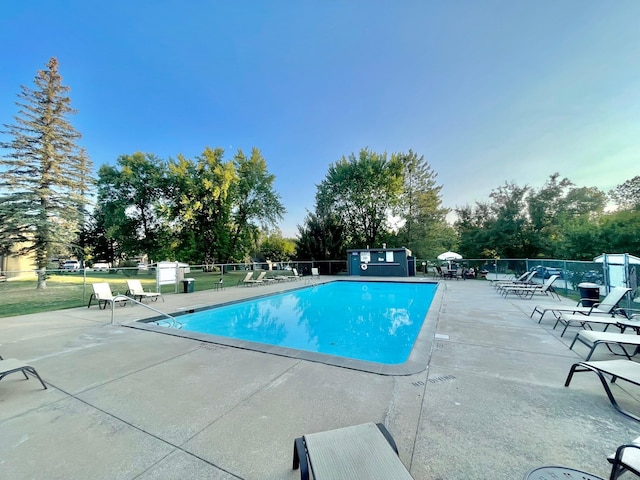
point(366, 452)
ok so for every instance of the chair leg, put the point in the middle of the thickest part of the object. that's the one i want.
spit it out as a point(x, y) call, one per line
point(300, 458)
point(388, 436)
point(581, 367)
point(24, 371)
point(32, 371)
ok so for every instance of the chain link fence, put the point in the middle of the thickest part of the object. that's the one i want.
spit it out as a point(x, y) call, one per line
point(67, 288)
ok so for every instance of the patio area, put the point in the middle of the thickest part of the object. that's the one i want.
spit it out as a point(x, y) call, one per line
point(125, 403)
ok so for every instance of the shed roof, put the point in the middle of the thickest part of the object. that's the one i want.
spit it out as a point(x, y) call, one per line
point(617, 258)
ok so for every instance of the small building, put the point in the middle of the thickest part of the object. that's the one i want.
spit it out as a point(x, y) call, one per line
point(381, 262)
point(14, 265)
point(619, 270)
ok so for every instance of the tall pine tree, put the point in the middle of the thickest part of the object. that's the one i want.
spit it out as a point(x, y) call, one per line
point(44, 176)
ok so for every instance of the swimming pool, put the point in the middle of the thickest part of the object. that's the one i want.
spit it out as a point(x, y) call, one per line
point(372, 322)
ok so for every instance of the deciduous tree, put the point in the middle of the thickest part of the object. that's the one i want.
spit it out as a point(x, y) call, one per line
point(131, 197)
point(256, 204)
point(425, 230)
point(627, 195)
point(321, 238)
point(364, 192)
point(201, 204)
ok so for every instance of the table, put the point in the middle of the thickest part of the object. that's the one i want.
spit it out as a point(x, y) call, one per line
point(554, 472)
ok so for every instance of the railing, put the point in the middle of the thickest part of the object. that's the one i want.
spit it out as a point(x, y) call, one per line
point(173, 322)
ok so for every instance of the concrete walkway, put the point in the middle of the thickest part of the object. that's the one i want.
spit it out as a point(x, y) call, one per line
point(131, 404)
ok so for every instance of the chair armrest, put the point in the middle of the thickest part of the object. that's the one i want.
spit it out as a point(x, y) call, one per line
point(617, 460)
point(628, 313)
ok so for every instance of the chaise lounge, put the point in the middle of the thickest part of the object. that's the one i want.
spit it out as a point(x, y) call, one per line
point(360, 452)
point(524, 279)
point(592, 339)
point(584, 321)
point(102, 294)
point(606, 306)
point(255, 281)
point(136, 291)
point(626, 370)
point(626, 458)
point(13, 365)
point(528, 291)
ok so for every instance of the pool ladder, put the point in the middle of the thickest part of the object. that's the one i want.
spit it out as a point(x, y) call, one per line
point(173, 323)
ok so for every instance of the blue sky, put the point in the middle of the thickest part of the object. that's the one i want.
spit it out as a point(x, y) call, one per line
point(488, 91)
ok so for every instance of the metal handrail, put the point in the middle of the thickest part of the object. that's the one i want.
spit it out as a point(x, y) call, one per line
point(174, 322)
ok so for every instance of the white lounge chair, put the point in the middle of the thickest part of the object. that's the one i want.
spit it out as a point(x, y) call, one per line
point(315, 274)
point(528, 291)
point(102, 294)
point(13, 365)
point(360, 452)
point(523, 279)
point(246, 278)
point(592, 339)
point(256, 281)
point(584, 321)
point(296, 275)
point(136, 291)
point(607, 305)
point(626, 370)
point(626, 458)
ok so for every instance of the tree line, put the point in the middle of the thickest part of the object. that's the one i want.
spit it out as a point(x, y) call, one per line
point(557, 220)
point(212, 209)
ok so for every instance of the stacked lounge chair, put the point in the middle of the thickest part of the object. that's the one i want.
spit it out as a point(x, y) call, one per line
point(528, 291)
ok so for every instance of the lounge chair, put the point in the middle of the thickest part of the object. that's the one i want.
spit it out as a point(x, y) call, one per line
point(626, 370)
point(256, 281)
point(620, 317)
point(13, 365)
point(584, 321)
point(315, 274)
point(136, 291)
point(245, 280)
point(592, 339)
point(528, 291)
point(607, 305)
point(360, 452)
point(102, 294)
point(437, 272)
point(296, 275)
point(626, 458)
point(525, 278)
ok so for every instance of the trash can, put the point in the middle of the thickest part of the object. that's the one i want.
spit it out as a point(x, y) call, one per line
point(188, 285)
point(589, 293)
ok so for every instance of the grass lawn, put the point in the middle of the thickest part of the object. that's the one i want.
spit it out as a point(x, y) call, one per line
point(68, 290)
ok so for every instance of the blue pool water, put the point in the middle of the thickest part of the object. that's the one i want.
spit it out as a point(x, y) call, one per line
point(370, 321)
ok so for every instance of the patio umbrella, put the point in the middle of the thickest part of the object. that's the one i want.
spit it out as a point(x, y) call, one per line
point(449, 256)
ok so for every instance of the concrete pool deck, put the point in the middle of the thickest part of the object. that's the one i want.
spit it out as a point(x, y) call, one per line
point(124, 403)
